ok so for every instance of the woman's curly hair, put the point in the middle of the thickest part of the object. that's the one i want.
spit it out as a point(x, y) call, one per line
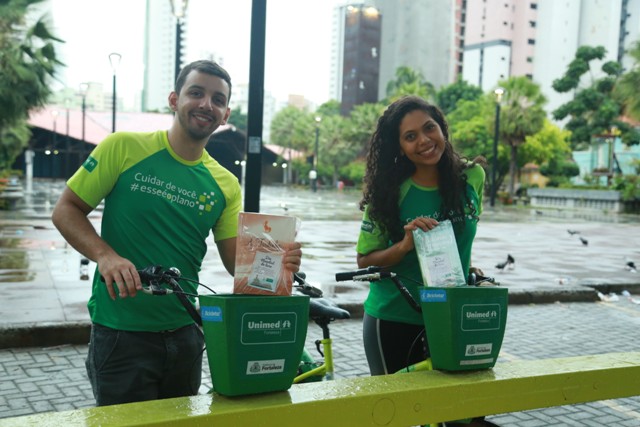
point(387, 169)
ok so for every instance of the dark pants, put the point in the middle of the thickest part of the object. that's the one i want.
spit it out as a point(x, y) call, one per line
point(391, 346)
point(128, 366)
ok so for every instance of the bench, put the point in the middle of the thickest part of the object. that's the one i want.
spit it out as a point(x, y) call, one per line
point(393, 400)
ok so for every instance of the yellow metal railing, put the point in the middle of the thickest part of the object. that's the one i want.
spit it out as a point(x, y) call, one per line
point(392, 400)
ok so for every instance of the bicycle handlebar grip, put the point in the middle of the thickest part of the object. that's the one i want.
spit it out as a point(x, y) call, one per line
point(349, 275)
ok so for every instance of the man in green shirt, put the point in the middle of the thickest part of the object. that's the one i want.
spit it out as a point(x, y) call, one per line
point(163, 194)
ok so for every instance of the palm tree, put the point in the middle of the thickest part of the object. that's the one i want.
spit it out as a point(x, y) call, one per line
point(27, 63)
point(409, 82)
point(522, 115)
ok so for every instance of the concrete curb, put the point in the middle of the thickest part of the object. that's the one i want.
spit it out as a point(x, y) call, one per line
point(54, 334)
point(44, 335)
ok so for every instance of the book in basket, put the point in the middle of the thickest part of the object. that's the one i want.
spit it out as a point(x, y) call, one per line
point(260, 248)
point(438, 256)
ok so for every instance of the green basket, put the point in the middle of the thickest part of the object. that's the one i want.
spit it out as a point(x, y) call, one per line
point(254, 343)
point(465, 325)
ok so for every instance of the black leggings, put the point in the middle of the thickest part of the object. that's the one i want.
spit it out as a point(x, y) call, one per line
point(390, 346)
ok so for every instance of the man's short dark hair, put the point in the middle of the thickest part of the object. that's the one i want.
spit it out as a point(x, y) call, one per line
point(203, 66)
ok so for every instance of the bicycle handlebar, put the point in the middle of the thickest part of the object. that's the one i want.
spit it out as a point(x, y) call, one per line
point(351, 275)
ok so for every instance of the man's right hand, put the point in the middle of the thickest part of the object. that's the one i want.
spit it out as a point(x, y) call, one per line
point(122, 272)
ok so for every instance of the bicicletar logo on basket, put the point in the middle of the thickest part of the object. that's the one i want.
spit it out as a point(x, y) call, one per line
point(268, 328)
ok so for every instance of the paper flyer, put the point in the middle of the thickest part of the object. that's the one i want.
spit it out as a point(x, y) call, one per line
point(438, 256)
point(260, 248)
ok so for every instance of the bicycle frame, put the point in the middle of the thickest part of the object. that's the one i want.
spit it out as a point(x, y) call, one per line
point(324, 369)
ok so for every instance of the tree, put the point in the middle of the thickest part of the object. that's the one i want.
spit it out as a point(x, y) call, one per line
point(593, 110)
point(293, 128)
point(471, 133)
point(329, 108)
point(238, 119)
point(522, 114)
point(360, 126)
point(448, 96)
point(334, 150)
point(409, 82)
point(27, 62)
point(626, 90)
point(550, 148)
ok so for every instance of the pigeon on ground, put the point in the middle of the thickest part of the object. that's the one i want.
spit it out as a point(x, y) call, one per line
point(584, 241)
point(631, 266)
point(572, 232)
point(510, 262)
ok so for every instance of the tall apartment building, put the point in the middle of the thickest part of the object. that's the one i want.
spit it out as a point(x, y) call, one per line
point(356, 59)
point(539, 39)
point(424, 35)
point(500, 37)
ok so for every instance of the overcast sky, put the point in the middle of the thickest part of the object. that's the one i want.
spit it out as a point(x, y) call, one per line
point(298, 42)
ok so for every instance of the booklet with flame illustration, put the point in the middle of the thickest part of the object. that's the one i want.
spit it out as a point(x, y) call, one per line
point(438, 256)
point(261, 243)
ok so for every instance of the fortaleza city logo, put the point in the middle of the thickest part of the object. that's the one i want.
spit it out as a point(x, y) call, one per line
point(258, 367)
point(150, 184)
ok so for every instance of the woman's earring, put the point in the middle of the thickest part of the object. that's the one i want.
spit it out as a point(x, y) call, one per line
point(395, 160)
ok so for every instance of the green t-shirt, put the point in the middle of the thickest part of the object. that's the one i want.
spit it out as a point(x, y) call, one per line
point(384, 300)
point(158, 210)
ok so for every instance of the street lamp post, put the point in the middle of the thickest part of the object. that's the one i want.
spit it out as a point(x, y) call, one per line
point(84, 87)
point(499, 92)
point(114, 60)
point(313, 175)
point(179, 9)
point(66, 142)
point(52, 150)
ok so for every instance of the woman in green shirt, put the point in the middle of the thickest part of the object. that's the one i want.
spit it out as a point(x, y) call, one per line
point(414, 179)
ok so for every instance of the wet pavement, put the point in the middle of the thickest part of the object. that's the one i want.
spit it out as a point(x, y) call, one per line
point(42, 291)
point(44, 321)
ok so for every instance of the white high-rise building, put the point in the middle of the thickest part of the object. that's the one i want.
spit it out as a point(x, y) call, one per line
point(420, 34)
point(562, 27)
point(159, 55)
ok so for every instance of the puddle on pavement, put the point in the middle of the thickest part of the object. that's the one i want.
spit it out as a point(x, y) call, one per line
point(14, 263)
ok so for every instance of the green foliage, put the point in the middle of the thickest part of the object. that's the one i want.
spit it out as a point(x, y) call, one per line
point(293, 128)
point(626, 90)
point(522, 114)
point(354, 171)
point(549, 144)
point(27, 63)
point(469, 127)
point(448, 96)
point(13, 139)
point(238, 119)
point(628, 185)
point(329, 108)
point(360, 126)
point(409, 82)
point(334, 150)
point(597, 107)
